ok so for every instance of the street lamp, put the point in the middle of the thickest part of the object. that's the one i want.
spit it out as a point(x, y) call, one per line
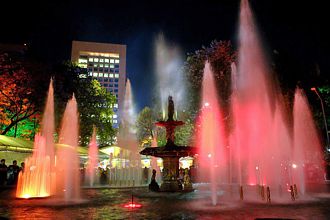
point(324, 118)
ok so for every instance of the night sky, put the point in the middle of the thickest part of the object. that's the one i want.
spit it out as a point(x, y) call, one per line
point(296, 31)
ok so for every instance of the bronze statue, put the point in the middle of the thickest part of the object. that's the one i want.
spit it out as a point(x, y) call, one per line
point(170, 108)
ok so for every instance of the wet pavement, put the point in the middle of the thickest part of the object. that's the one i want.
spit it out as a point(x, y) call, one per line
point(106, 203)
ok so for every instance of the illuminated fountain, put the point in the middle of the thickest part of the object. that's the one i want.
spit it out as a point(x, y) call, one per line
point(93, 159)
point(210, 136)
point(306, 155)
point(67, 163)
point(262, 132)
point(263, 151)
point(37, 180)
point(128, 174)
point(170, 153)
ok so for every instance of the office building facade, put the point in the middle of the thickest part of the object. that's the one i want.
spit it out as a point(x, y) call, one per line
point(106, 63)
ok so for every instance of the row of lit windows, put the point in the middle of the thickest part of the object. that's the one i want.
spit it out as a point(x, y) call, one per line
point(112, 66)
point(105, 75)
point(100, 60)
point(97, 60)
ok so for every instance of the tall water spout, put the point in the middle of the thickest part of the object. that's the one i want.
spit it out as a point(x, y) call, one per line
point(37, 180)
point(307, 152)
point(67, 164)
point(210, 136)
point(127, 133)
point(93, 157)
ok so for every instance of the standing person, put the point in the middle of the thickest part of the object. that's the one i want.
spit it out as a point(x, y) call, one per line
point(22, 166)
point(145, 175)
point(13, 170)
point(3, 172)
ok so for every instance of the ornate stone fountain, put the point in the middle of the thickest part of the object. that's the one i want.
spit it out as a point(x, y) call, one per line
point(171, 153)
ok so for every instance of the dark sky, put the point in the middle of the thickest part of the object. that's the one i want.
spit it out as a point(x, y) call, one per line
point(296, 29)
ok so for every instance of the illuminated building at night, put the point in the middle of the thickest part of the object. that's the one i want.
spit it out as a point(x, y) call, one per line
point(106, 63)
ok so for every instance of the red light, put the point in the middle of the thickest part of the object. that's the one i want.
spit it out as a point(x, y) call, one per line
point(313, 89)
point(133, 205)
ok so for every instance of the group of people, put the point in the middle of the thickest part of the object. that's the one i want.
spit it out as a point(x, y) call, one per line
point(9, 174)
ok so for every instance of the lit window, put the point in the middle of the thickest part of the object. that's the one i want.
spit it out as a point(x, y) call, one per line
point(96, 59)
point(116, 61)
point(112, 66)
point(101, 65)
point(82, 60)
point(95, 74)
point(115, 105)
point(111, 75)
point(115, 116)
point(101, 60)
point(100, 74)
point(114, 121)
point(90, 74)
point(116, 75)
point(95, 65)
point(106, 60)
point(106, 65)
point(90, 59)
point(106, 75)
point(112, 61)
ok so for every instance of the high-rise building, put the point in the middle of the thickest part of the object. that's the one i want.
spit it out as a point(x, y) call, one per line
point(106, 63)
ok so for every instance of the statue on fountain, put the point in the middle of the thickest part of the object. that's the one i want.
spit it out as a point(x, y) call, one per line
point(170, 108)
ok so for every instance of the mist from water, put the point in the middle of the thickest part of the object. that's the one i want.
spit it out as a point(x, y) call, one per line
point(169, 77)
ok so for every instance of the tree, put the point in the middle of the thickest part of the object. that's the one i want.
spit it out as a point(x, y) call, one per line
point(17, 102)
point(221, 55)
point(145, 125)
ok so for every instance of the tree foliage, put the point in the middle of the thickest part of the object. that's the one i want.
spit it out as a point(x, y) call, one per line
point(221, 55)
point(145, 125)
point(17, 97)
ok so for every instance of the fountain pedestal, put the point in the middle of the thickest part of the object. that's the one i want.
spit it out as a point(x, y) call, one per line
point(170, 174)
